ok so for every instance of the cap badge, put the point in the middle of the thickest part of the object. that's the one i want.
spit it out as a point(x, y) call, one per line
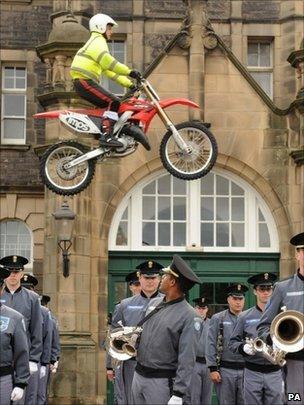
point(203, 300)
point(150, 264)
point(266, 276)
point(25, 277)
point(14, 259)
point(239, 287)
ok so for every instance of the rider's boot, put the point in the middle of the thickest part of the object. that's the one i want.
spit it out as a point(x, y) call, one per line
point(107, 138)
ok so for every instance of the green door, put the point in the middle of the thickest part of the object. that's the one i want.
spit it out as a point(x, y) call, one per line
point(216, 270)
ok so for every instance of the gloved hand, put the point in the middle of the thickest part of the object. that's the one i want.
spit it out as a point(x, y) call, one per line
point(33, 367)
point(135, 74)
point(174, 400)
point(42, 371)
point(248, 349)
point(54, 367)
point(17, 394)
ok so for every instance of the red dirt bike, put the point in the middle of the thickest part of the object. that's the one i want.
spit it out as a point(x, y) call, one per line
point(188, 150)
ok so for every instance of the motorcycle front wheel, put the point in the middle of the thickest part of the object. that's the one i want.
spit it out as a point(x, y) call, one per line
point(60, 179)
point(200, 156)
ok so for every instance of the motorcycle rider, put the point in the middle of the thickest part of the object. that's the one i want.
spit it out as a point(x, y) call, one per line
point(93, 60)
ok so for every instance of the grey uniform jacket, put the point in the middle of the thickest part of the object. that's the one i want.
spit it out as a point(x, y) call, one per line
point(131, 310)
point(169, 342)
point(229, 321)
point(27, 303)
point(13, 345)
point(47, 332)
point(246, 327)
point(55, 352)
point(289, 293)
point(202, 344)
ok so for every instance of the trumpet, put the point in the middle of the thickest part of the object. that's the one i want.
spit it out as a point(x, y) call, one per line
point(287, 334)
point(121, 342)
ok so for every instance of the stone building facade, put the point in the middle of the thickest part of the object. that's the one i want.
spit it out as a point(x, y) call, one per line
point(259, 130)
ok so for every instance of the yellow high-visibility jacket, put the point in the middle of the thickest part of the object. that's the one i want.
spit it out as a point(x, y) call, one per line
point(94, 60)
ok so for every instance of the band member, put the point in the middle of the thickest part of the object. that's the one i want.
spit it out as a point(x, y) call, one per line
point(14, 352)
point(263, 381)
point(133, 282)
point(201, 384)
point(289, 293)
point(226, 368)
point(168, 343)
point(27, 303)
point(128, 313)
point(29, 281)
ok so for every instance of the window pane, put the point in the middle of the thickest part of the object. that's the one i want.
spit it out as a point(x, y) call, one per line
point(179, 234)
point(13, 129)
point(148, 207)
point(12, 228)
point(122, 234)
point(253, 54)
point(164, 184)
point(125, 214)
point(207, 213)
point(261, 216)
point(222, 185)
point(9, 72)
point(222, 234)
point(264, 80)
point(20, 72)
point(264, 238)
point(150, 188)
point(15, 239)
point(14, 105)
point(179, 186)
point(207, 184)
point(164, 234)
point(236, 190)
point(237, 209)
point(20, 83)
point(9, 83)
point(164, 208)
point(148, 233)
point(179, 208)
point(207, 237)
point(222, 209)
point(237, 235)
point(265, 55)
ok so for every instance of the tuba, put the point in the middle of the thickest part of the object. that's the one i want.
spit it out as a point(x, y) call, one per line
point(121, 342)
point(287, 334)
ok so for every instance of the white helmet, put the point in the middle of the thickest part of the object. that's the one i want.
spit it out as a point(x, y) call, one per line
point(98, 23)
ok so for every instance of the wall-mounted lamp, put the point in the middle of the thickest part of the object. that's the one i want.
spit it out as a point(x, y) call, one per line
point(64, 222)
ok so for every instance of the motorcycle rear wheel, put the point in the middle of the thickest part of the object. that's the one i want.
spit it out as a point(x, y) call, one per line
point(66, 181)
point(201, 158)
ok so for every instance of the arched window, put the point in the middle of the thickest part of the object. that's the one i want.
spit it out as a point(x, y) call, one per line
point(15, 239)
point(219, 212)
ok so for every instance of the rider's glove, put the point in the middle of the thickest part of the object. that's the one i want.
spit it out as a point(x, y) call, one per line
point(135, 74)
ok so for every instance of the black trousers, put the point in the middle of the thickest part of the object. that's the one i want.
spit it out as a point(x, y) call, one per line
point(96, 94)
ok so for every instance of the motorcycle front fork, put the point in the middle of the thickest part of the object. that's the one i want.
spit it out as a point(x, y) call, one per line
point(83, 158)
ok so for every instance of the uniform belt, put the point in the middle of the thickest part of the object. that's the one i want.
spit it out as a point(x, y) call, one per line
point(154, 372)
point(6, 370)
point(201, 359)
point(262, 368)
point(232, 365)
point(296, 356)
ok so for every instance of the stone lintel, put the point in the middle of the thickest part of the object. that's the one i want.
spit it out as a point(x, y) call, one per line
point(76, 339)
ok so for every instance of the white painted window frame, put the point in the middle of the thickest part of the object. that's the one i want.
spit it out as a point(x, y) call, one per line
point(5, 91)
point(30, 263)
point(252, 201)
point(262, 69)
